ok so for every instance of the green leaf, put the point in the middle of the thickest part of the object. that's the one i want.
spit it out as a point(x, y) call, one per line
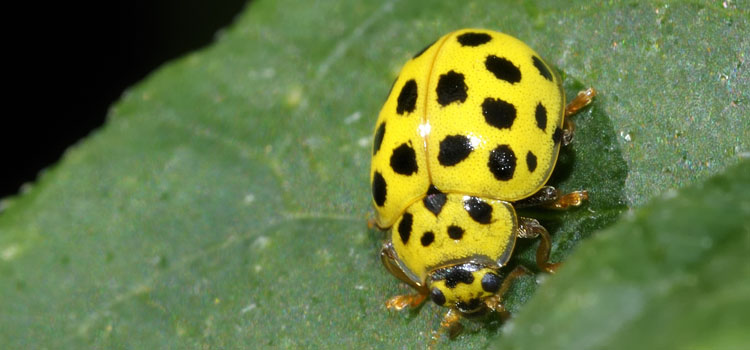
point(672, 275)
point(224, 203)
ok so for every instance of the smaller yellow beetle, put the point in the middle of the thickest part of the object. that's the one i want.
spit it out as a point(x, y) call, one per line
point(470, 131)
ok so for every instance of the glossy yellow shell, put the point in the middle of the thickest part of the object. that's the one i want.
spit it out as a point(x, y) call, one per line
point(465, 227)
point(476, 113)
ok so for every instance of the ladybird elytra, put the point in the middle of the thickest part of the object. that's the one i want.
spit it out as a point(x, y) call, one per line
point(476, 113)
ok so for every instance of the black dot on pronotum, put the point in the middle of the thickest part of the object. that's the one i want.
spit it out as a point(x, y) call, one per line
point(404, 160)
point(427, 238)
point(531, 161)
point(423, 50)
point(542, 68)
point(502, 162)
point(455, 232)
point(473, 39)
point(498, 113)
point(478, 209)
point(454, 149)
point(437, 296)
point(541, 116)
point(404, 227)
point(503, 69)
point(458, 275)
point(557, 135)
point(451, 88)
point(379, 134)
point(407, 99)
point(378, 189)
point(491, 282)
point(434, 200)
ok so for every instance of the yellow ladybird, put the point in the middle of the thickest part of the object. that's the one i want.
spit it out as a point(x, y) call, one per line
point(471, 129)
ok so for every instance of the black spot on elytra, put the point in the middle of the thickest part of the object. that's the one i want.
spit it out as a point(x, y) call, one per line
point(557, 135)
point(473, 39)
point(434, 200)
point(478, 209)
point(498, 113)
point(423, 50)
point(404, 160)
point(531, 161)
point(455, 232)
point(404, 227)
point(458, 275)
point(407, 99)
point(437, 296)
point(541, 116)
point(491, 282)
point(454, 149)
point(379, 134)
point(451, 88)
point(542, 68)
point(427, 238)
point(502, 162)
point(378, 189)
point(503, 69)
point(471, 305)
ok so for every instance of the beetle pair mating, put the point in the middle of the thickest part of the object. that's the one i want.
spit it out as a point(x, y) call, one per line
point(470, 131)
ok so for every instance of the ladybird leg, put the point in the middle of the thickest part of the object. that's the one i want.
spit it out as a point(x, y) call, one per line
point(581, 100)
point(400, 302)
point(531, 228)
point(551, 198)
point(572, 199)
point(494, 302)
point(450, 324)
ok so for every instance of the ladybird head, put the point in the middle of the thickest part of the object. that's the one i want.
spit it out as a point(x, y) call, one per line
point(464, 287)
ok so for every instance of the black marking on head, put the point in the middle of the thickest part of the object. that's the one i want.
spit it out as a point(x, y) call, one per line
point(541, 116)
point(479, 210)
point(470, 306)
point(473, 39)
point(455, 232)
point(491, 282)
point(531, 161)
point(498, 113)
point(427, 238)
point(378, 189)
point(503, 69)
point(404, 160)
point(434, 200)
point(458, 274)
point(437, 296)
point(557, 136)
point(454, 149)
point(379, 134)
point(502, 162)
point(407, 99)
point(423, 50)
point(404, 227)
point(542, 68)
point(450, 88)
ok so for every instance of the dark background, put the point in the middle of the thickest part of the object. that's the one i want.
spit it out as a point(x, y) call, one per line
point(67, 63)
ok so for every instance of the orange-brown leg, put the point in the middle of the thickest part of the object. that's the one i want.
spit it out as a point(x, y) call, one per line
point(551, 198)
point(531, 228)
point(581, 100)
point(572, 199)
point(449, 324)
point(542, 253)
point(400, 302)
